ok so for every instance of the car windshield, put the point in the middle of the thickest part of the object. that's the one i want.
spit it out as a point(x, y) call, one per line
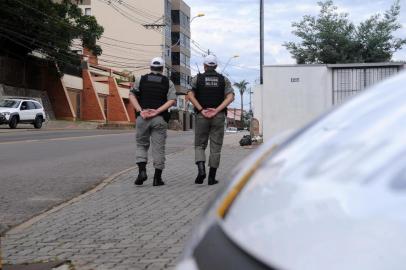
point(9, 103)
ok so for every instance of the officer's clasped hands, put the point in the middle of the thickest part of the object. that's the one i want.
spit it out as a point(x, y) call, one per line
point(209, 113)
point(148, 113)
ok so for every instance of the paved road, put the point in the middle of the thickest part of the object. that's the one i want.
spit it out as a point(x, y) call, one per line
point(39, 169)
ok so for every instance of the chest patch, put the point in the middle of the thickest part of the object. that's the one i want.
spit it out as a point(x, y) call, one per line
point(211, 81)
point(154, 78)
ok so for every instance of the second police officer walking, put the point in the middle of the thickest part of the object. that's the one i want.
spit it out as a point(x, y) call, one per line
point(211, 93)
point(152, 95)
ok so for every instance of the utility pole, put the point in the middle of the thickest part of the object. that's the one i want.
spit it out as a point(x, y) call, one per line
point(261, 41)
point(250, 100)
point(235, 123)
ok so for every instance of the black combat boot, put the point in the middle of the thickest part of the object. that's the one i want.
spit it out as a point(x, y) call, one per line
point(158, 178)
point(201, 175)
point(212, 176)
point(142, 173)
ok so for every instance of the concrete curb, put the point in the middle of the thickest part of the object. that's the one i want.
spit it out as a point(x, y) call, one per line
point(54, 209)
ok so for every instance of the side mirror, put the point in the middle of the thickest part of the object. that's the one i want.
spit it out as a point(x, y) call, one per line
point(23, 107)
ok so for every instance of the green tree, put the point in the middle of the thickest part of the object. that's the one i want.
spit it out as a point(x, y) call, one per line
point(242, 88)
point(47, 27)
point(332, 38)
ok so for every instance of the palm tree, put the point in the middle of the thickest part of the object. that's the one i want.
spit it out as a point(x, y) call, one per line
point(242, 87)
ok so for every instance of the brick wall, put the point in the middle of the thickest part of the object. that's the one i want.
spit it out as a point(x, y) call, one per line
point(57, 94)
point(116, 111)
point(130, 110)
point(91, 109)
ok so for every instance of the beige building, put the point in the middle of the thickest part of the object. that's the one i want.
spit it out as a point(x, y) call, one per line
point(135, 32)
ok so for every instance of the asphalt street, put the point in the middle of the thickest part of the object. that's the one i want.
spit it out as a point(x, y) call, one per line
point(39, 169)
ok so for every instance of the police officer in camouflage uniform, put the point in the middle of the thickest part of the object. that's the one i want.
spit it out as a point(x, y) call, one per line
point(211, 93)
point(152, 95)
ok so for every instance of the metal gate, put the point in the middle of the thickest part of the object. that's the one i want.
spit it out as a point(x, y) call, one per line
point(348, 82)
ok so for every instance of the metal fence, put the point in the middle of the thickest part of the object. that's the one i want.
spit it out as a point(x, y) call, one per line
point(348, 82)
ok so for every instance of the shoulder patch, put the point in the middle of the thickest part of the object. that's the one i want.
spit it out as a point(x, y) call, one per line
point(154, 78)
point(211, 81)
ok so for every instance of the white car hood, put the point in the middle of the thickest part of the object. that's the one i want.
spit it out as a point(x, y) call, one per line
point(335, 197)
point(10, 110)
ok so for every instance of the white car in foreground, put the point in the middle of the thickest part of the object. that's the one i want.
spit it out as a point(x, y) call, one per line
point(332, 196)
point(26, 111)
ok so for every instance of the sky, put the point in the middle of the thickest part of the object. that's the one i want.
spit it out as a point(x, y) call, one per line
point(231, 27)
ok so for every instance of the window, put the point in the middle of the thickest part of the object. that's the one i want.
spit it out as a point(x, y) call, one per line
point(175, 77)
point(88, 11)
point(168, 32)
point(176, 58)
point(175, 17)
point(184, 80)
point(168, 9)
point(185, 41)
point(24, 106)
point(180, 103)
point(31, 105)
point(9, 103)
point(37, 105)
point(184, 20)
point(184, 60)
point(175, 37)
point(27, 105)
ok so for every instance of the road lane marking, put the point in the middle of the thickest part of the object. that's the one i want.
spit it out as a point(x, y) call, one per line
point(64, 138)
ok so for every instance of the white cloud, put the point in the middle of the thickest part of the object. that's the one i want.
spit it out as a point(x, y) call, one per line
point(232, 27)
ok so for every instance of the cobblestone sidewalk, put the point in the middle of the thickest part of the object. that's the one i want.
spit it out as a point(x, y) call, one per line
point(124, 226)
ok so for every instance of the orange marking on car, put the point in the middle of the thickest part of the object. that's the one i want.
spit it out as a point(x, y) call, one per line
point(236, 189)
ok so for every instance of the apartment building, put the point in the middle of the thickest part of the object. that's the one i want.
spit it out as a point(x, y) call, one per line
point(181, 73)
point(134, 33)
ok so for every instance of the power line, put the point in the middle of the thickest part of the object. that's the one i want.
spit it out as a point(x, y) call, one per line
point(198, 53)
point(132, 43)
point(135, 68)
point(41, 44)
point(121, 62)
point(141, 12)
point(32, 49)
point(123, 13)
point(197, 45)
point(67, 53)
point(124, 47)
point(126, 14)
point(125, 58)
point(143, 55)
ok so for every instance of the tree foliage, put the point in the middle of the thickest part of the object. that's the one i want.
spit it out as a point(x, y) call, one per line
point(332, 38)
point(242, 88)
point(47, 27)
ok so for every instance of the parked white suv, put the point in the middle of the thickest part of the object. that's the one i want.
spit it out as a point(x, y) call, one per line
point(15, 110)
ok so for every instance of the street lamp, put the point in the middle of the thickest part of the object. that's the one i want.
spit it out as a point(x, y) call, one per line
point(228, 62)
point(197, 16)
